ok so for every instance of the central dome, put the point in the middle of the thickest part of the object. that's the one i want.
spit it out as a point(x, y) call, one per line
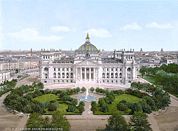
point(87, 47)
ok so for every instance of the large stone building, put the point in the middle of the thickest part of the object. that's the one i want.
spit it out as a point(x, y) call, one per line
point(88, 65)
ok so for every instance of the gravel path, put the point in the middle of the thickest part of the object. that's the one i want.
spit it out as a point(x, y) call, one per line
point(10, 121)
point(164, 120)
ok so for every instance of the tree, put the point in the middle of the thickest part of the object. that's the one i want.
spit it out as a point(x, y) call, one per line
point(135, 107)
point(122, 106)
point(83, 89)
point(81, 106)
point(150, 102)
point(92, 89)
point(71, 108)
point(52, 107)
point(59, 121)
point(139, 122)
point(143, 71)
point(77, 89)
point(117, 123)
point(93, 106)
point(35, 121)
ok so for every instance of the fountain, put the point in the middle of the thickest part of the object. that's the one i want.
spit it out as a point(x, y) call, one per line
point(87, 97)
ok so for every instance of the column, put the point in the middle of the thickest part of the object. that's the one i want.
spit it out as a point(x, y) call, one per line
point(125, 75)
point(85, 73)
point(65, 73)
point(76, 76)
point(114, 73)
point(89, 74)
point(94, 74)
point(80, 73)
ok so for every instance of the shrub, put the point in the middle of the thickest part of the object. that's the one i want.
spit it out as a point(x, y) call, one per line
point(92, 89)
point(71, 108)
point(83, 89)
point(52, 106)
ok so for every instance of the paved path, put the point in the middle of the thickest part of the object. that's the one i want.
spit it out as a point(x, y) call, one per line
point(154, 125)
point(22, 123)
point(151, 117)
point(27, 81)
point(9, 121)
point(87, 121)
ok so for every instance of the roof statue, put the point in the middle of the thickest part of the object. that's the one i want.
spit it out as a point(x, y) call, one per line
point(87, 37)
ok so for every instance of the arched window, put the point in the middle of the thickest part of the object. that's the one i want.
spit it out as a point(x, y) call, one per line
point(46, 69)
point(120, 75)
point(54, 75)
point(129, 69)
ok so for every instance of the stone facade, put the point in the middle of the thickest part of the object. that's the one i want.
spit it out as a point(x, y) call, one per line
point(88, 65)
point(4, 76)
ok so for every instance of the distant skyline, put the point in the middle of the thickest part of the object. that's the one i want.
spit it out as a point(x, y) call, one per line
point(112, 24)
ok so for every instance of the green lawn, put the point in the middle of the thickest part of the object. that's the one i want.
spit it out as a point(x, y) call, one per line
point(62, 106)
point(118, 98)
point(46, 98)
point(126, 97)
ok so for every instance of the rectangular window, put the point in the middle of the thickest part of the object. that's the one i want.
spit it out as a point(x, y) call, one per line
point(71, 75)
point(112, 75)
point(63, 75)
point(107, 75)
point(103, 75)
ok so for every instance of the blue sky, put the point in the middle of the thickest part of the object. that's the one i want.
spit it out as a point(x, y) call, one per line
point(112, 24)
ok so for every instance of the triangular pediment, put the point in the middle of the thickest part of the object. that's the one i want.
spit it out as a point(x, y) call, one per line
point(87, 63)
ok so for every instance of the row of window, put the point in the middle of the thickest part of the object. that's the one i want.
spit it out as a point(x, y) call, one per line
point(111, 75)
point(46, 57)
point(62, 81)
point(63, 69)
point(63, 75)
point(112, 69)
point(111, 81)
point(60, 75)
point(87, 69)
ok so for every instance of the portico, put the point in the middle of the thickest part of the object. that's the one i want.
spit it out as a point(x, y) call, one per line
point(84, 74)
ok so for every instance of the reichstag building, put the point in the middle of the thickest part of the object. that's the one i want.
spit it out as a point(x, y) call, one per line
point(88, 65)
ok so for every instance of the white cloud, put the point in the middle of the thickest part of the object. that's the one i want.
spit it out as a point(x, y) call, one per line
point(159, 26)
point(60, 29)
point(30, 34)
point(133, 26)
point(99, 32)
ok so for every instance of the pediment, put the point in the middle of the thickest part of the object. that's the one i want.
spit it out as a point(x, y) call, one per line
point(87, 63)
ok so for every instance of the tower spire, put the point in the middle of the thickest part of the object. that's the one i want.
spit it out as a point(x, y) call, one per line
point(87, 37)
